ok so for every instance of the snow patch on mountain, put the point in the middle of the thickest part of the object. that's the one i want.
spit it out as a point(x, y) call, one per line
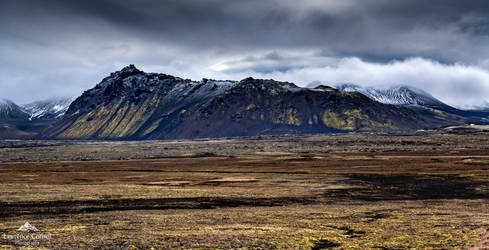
point(52, 108)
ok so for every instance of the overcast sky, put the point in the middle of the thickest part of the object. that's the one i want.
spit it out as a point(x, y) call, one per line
point(62, 47)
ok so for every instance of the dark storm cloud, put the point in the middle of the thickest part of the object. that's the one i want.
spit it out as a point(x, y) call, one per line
point(64, 46)
point(372, 28)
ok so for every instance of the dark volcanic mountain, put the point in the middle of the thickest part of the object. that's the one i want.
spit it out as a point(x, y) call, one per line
point(131, 104)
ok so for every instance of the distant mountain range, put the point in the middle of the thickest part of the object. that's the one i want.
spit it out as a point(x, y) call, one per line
point(26, 121)
point(132, 104)
point(48, 109)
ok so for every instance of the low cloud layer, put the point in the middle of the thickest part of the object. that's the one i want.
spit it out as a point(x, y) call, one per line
point(456, 84)
point(61, 47)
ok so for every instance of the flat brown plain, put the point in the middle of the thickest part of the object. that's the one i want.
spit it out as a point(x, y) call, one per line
point(342, 191)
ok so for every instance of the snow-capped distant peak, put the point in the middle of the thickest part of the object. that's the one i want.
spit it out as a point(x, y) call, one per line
point(11, 111)
point(400, 95)
point(48, 109)
point(7, 105)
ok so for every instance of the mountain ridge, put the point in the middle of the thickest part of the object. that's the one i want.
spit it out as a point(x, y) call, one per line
point(132, 104)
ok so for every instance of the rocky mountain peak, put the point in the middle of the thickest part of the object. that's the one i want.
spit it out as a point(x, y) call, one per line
point(267, 84)
point(127, 71)
point(325, 88)
point(130, 68)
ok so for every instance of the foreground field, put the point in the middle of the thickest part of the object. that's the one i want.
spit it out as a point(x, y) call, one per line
point(344, 191)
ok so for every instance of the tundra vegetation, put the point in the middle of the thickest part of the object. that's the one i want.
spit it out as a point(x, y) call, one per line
point(425, 190)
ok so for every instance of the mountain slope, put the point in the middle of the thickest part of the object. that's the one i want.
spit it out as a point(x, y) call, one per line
point(131, 104)
point(256, 107)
